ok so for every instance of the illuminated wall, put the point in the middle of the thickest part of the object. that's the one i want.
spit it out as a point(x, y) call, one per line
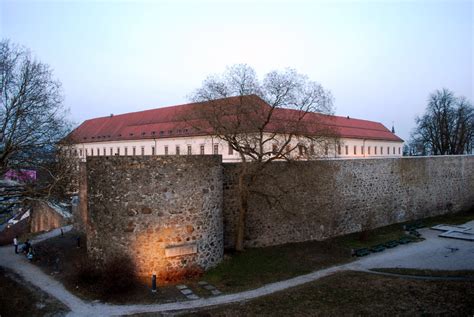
point(164, 212)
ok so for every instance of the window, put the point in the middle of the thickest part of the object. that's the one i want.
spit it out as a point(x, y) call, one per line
point(399, 151)
point(347, 150)
point(231, 150)
point(339, 149)
point(177, 149)
point(125, 149)
point(190, 150)
point(393, 150)
point(105, 151)
point(326, 149)
point(98, 151)
point(152, 150)
point(388, 150)
point(134, 151)
point(143, 150)
point(111, 151)
point(375, 150)
point(362, 150)
point(381, 150)
point(118, 151)
point(301, 149)
point(216, 149)
point(202, 149)
point(166, 149)
point(80, 152)
point(92, 152)
point(87, 154)
point(355, 150)
point(368, 150)
point(311, 149)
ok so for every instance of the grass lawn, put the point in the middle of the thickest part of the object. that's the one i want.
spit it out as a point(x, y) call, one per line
point(18, 298)
point(359, 294)
point(256, 267)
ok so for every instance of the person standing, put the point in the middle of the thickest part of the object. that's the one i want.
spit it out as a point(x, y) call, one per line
point(15, 243)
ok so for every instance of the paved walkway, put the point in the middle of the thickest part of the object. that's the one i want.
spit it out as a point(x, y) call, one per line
point(433, 253)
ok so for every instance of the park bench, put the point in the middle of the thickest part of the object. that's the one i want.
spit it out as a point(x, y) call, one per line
point(377, 248)
point(391, 244)
point(361, 252)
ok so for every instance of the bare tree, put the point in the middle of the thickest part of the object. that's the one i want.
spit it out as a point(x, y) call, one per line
point(447, 127)
point(275, 119)
point(32, 114)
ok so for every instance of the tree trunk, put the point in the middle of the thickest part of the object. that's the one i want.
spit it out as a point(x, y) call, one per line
point(243, 207)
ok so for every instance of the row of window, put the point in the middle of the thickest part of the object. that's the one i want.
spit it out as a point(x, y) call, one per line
point(369, 150)
point(104, 152)
point(302, 150)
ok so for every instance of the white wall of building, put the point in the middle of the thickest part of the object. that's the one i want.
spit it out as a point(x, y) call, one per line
point(349, 148)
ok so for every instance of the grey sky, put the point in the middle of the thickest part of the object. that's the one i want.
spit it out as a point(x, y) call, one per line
point(380, 59)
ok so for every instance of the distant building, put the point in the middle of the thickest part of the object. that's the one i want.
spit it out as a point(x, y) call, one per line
point(162, 131)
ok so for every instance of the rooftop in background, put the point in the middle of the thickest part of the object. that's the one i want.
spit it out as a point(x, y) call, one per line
point(167, 122)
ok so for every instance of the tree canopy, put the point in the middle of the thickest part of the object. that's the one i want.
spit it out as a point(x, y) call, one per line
point(266, 120)
point(446, 127)
point(32, 113)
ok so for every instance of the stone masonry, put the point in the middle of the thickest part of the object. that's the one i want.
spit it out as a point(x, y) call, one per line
point(172, 213)
point(163, 212)
point(316, 200)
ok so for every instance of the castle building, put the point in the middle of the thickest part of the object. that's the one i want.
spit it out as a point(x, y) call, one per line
point(163, 131)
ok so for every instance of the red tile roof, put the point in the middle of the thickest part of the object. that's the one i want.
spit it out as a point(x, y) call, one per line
point(167, 122)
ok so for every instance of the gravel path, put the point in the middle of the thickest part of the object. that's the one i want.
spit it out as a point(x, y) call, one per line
point(433, 253)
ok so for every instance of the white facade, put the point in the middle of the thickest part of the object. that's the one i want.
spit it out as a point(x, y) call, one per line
point(207, 145)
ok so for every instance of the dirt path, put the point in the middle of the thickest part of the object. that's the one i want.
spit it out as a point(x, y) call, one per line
point(431, 250)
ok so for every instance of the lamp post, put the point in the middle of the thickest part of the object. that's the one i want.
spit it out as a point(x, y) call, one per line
point(153, 283)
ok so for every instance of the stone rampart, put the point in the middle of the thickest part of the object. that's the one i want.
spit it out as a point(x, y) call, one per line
point(320, 199)
point(163, 212)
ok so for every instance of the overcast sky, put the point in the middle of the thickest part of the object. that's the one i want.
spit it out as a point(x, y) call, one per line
point(380, 59)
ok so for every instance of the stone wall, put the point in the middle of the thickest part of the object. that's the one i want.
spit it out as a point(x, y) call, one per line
point(46, 216)
point(320, 199)
point(163, 212)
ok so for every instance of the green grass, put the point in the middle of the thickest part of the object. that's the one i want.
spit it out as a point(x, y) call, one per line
point(452, 219)
point(256, 267)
